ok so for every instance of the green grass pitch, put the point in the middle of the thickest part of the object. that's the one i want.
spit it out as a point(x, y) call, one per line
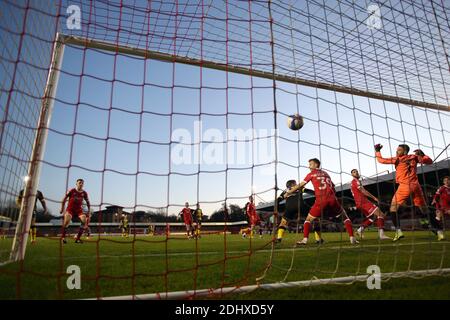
point(115, 266)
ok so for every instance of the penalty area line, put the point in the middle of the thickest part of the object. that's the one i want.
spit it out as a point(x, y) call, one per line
point(201, 253)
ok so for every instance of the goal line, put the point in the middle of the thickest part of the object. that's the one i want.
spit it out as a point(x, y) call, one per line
point(174, 295)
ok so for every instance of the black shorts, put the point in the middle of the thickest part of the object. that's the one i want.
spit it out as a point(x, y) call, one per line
point(293, 206)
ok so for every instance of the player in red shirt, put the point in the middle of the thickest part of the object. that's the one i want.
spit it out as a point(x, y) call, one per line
point(253, 219)
point(367, 208)
point(326, 201)
point(441, 200)
point(76, 197)
point(408, 183)
point(187, 218)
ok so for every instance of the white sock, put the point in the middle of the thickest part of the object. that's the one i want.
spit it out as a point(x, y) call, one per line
point(360, 229)
point(399, 230)
point(440, 232)
point(381, 232)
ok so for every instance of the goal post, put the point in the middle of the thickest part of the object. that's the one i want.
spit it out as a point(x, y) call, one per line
point(32, 179)
point(149, 54)
point(120, 92)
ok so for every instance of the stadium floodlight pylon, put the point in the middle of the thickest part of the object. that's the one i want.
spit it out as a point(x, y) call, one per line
point(32, 180)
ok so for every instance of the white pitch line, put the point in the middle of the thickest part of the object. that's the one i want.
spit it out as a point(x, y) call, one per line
point(271, 286)
point(201, 253)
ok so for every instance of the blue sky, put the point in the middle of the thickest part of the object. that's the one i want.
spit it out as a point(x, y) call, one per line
point(136, 120)
point(112, 126)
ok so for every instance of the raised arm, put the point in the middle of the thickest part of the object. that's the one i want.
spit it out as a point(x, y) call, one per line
point(295, 188)
point(41, 198)
point(422, 158)
point(380, 159)
point(44, 204)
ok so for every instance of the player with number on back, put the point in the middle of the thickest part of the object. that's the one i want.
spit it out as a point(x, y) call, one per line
point(408, 183)
point(367, 208)
point(325, 203)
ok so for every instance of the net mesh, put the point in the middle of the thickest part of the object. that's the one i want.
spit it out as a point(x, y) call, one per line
point(147, 135)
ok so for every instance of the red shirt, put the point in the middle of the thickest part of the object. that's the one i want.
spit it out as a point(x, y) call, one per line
point(359, 197)
point(187, 216)
point(76, 199)
point(251, 209)
point(253, 217)
point(442, 198)
point(323, 186)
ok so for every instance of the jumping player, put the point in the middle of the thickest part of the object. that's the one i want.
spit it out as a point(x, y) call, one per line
point(40, 197)
point(406, 177)
point(187, 218)
point(75, 197)
point(441, 200)
point(367, 208)
point(326, 201)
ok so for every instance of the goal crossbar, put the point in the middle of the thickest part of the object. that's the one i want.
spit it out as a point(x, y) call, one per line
point(155, 55)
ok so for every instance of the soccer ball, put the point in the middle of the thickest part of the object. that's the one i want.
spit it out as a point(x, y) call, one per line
point(295, 122)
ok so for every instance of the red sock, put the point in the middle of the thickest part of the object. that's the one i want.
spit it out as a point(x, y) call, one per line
point(80, 232)
point(367, 222)
point(63, 233)
point(380, 223)
point(306, 229)
point(348, 226)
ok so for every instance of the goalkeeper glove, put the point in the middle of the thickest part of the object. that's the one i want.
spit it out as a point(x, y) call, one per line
point(419, 152)
point(378, 147)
